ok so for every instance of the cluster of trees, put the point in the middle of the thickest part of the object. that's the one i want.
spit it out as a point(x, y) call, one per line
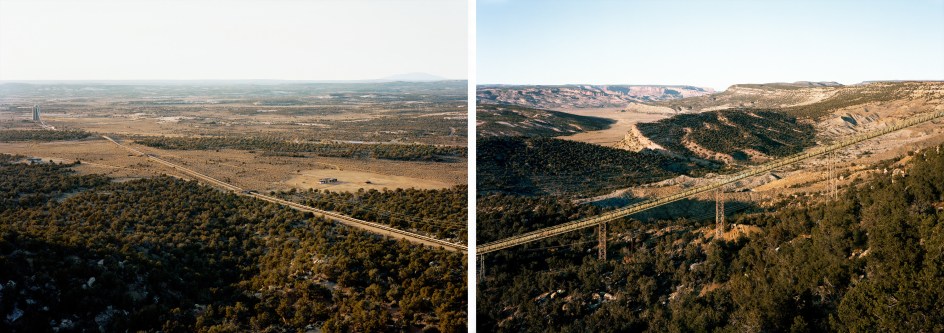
point(168, 255)
point(429, 121)
point(500, 215)
point(511, 120)
point(871, 259)
point(10, 135)
point(438, 213)
point(554, 166)
point(23, 185)
point(407, 152)
point(731, 132)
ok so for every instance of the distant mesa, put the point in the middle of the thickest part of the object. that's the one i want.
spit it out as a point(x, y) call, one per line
point(414, 77)
point(584, 96)
point(783, 85)
point(818, 84)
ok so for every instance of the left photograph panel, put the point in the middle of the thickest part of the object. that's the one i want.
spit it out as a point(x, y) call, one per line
point(248, 166)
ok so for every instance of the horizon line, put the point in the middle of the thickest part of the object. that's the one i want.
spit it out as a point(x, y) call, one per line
point(30, 81)
point(701, 86)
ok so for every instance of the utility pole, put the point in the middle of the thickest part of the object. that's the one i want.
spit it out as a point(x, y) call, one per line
point(835, 174)
point(832, 183)
point(829, 174)
point(601, 240)
point(481, 267)
point(719, 213)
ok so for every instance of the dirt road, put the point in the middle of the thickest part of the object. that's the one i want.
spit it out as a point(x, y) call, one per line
point(376, 228)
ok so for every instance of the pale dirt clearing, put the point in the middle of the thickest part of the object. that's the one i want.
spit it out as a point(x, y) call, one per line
point(351, 181)
point(624, 117)
point(245, 169)
point(732, 232)
point(265, 173)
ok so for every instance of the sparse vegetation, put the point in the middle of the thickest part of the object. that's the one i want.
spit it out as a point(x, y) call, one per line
point(10, 135)
point(808, 100)
point(878, 92)
point(423, 112)
point(406, 152)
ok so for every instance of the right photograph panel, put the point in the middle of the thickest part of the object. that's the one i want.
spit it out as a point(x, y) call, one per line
point(723, 166)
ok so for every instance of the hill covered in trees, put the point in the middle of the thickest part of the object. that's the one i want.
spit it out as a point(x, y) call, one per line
point(405, 152)
point(870, 260)
point(740, 135)
point(553, 166)
point(510, 120)
point(168, 255)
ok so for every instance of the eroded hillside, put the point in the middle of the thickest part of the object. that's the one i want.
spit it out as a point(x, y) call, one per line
point(509, 120)
point(769, 95)
point(584, 96)
point(809, 99)
point(731, 135)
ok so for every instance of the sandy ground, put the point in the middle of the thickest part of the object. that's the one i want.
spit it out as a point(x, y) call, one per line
point(245, 169)
point(615, 133)
point(252, 170)
point(731, 233)
point(353, 180)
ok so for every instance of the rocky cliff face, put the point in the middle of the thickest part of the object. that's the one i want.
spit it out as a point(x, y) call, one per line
point(808, 99)
point(636, 141)
point(770, 95)
point(870, 106)
point(834, 111)
point(584, 96)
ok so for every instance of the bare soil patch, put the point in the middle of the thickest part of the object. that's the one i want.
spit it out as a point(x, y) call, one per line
point(624, 117)
point(350, 180)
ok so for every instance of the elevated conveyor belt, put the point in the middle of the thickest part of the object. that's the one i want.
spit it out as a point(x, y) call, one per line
point(652, 203)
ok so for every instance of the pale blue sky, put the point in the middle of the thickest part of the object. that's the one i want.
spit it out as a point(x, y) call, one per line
point(708, 43)
point(241, 39)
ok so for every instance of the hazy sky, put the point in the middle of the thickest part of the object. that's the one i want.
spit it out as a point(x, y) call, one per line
point(708, 43)
point(282, 39)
